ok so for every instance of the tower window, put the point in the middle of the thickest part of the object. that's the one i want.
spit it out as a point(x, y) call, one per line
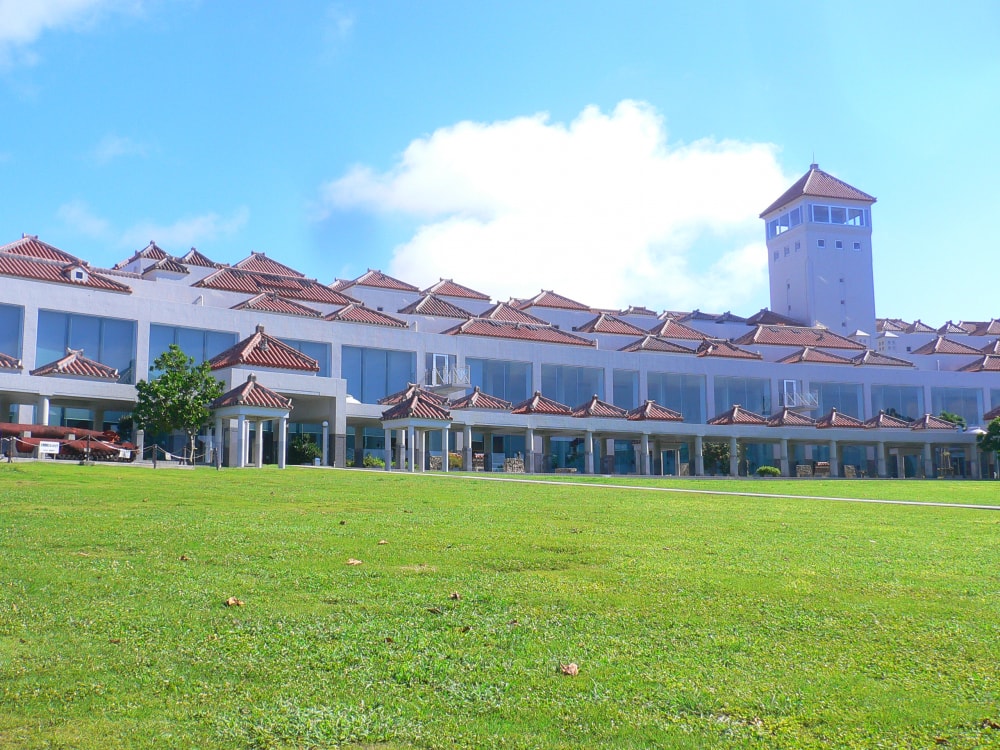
point(820, 243)
point(857, 245)
point(786, 251)
point(775, 254)
point(839, 245)
point(797, 244)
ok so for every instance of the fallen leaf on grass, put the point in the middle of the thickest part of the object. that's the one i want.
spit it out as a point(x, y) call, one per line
point(435, 611)
point(514, 622)
point(184, 558)
point(454, 595)
point(343, 523)
point(940, 741)
point(114, 640)
point(234, 602)
point(382, 541)
point(989, 724)
point(466, 628)
point(352, 561)
point(389, 640)
point(571, 669)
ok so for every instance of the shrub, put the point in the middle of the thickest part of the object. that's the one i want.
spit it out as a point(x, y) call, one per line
point(373, 462)
point(455, 461)
point(768, 471)
point(302, 450)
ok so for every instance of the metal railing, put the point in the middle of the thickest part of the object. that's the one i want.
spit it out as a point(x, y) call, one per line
point(447, 376)
point(800, 399)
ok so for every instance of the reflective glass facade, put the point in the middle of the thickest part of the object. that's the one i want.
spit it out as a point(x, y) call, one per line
point(372, 374)
point(315, 349)
point(844, 397)
point(11, 327)
point(753, 394)
point(502, 378)
point(903, 401)
point(571, 385)
point(626, 389)
point(109, 341)
point(965, 402)
point(681, 392)
point(199, 343)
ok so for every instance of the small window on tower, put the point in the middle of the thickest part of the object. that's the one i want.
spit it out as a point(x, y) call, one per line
point(775, 254)
point(797, 244)
point(786, 251)
point(857, 245)
point(820, 243)
point(839, 245)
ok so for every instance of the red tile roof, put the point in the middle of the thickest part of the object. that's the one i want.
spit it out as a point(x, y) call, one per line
point(262, 350)
point(991, 348)
point(479, 400)
point(539, 404)
point(32, 247)
point(814, 356)
point(930, 422)
point(887, 421)
point(448, 288)
point(379, 280)
point(434, 306)
point(736, 414)
point(340, 284)
point(356, 312)
point(871, 358)
point(950, 327)
point(152, 251)
point(723, 348)
point(637, 310)
point(248, 282)
point(547, 298)
point(983, 327)
point(918, 326)
point(508, 314)
point(992, 414)
point(411, 388)
point(58, 273)
point(260, 263)
point(890, 324)
point(986, 363)
point(770, 318)
point(252, 393)
point(656, 344)
point(788, 418)
point(944, 345)
point(607, 323)
point(76, 365)
point(796, 336)
point(650, 410)
point(671, 329)
point(498, 329)
point(8, 362)
point(417, 406)
point(726, 317)
point(597, 408)
point(834, 418)
point(818, 183)
point(167, 264)
point(195, 258)
point(271, 302)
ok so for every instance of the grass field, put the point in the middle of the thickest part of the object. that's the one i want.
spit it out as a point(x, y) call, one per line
point(696, 620)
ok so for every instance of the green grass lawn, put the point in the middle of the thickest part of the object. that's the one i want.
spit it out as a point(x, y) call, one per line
point(696, 620)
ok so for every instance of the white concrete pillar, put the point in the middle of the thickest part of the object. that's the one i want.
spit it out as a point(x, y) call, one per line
point(529, 450)
point(241, 442)
point(783, 461)
point(644, 457)
point(217, 443)
point(445, 432)
point(325, 461)
point(259, 447)
point(282, 441)
point(411, 446)
point(387, 448)
point(42, 410)
point(699, 456)
point(834, 460)
point(734, 457)
point(588, 453)
point(467, 447)
point(928, 461)
point(880, 461)
point(423, 449)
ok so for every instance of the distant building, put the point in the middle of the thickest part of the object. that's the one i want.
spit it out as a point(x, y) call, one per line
point(376, 366)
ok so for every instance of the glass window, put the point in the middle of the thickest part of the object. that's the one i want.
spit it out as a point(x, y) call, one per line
point(504, 379)
point(198, 343)
point(315, 349)
point(903, 401)
point(821, 214)
point(844, 397)
point(856, 217)
point(775, 255)
point(966, 402)
point(626, 389)
point(994, 398)
point(795, 217)
point(372, 374)
point(820, 243)
point(681, 392)
point(750, 393)
point(838, 215)
point(109, 341)
point(772, 228)
point(572, 385)
point(11, 325)
point(839, 244)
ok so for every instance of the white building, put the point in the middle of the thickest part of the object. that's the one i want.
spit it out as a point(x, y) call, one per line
point(816, 380)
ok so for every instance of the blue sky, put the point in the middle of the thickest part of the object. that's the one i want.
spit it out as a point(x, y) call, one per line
point(616, 153)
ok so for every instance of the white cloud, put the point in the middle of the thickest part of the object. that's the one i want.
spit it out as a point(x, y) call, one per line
point(187, 232)
point(78, 216)
point(114, 146)
point(603, 210)
point(339, 24)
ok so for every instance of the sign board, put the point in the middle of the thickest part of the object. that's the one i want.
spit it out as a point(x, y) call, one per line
point(48, 447)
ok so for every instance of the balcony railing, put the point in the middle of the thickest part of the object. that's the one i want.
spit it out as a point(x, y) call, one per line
point(448, 376)
point(800, 400)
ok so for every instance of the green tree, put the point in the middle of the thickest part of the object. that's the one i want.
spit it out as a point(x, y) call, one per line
point(178, 398)
point(989, 441)
point(303, 450)
point(958, 419)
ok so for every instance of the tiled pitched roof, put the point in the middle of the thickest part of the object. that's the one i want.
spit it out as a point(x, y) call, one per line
point(770, 318)
point(271, 302)
point(539, 404)
point(788, 418)
point(434, 306)
point(950, 327)
point(546, 298)
point(672, 329)
point(930, 422)
point(637, 310)
point(509, 314)
point(262, 350)
point(260, 263)
point(399, 396)
point(726, 317)
point(814, 356)
point(152, 251)
point(991, 348)
point(650, 410)
point(497, 329)
point(76, 365)
point(417, 406)
point(992, 414)
point(736, 414)
point(340, 284)
point(986, 363)
point(167, 264)
point(890, 324)
point(723, 348)
point(944, 345)
point(379, 280)
point(818, 183)
point(248, 282)
point(607, 323)
point(656, 344)
point(479, 400)
point(834, 418)
point(59, 273)
point(597, 408)
point(983, 327)
point(870, 358)
point(796, 336)
point(356, 312)
point(887, 421)
point(918, 326)
point(448, 288)
point(8, 362)
point(195, 258)
point(31, 247)
point(252, 393)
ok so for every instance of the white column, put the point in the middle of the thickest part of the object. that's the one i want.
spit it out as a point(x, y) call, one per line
point(445, 431)
point(42, 410)
point(644, 458)
point(734, 457)
point(423, 449)
point(699, 456)
point(588, 451)
point(467, 447)
point(411, 446)
point(282, 441)
point(928, 461)
point(241, 441)
point(401, 449)
point(260, 444)
point(880, 460)
point(387, 448)
point(217, 442)
point(783, 458)
point(529, 450)
point(834, 460)
point(325, 461)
